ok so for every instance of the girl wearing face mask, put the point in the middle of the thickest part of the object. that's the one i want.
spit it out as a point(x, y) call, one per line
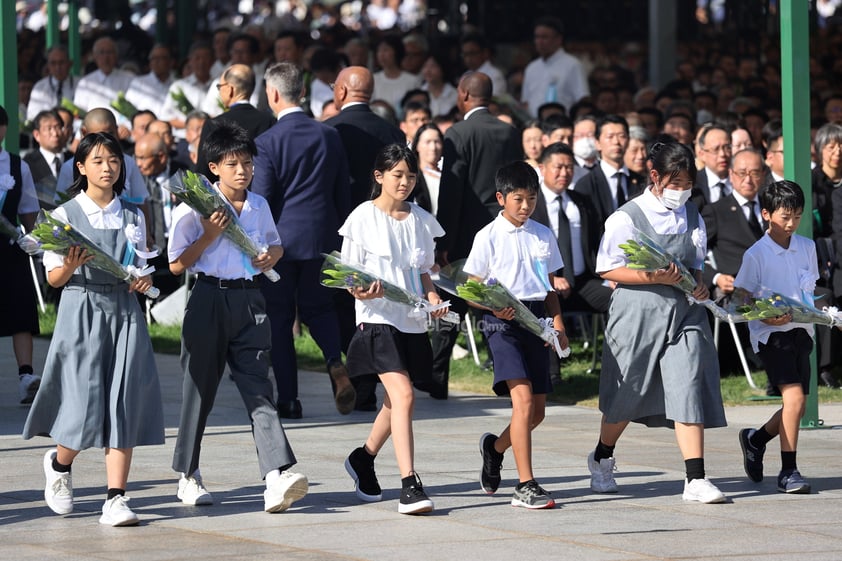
point(659, 364)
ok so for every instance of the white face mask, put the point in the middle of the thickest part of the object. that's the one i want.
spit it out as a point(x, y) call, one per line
point(585, 148)
point(673, 198)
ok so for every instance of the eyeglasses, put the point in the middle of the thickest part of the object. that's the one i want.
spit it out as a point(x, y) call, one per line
point(220, 85)
point(756, 175)
point(724, 148)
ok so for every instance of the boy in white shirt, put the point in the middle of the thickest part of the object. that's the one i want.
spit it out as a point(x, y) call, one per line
point(518, 253)
point(786, 264)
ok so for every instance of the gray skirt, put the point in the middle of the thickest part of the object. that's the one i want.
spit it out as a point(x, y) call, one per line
point(659, 364)
point(100, 384)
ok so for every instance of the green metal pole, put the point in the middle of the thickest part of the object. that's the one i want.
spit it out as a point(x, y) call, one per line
point(161, 22)
point(74, 39)
point(795, 95)
point(9, 74)
point(186, 24)
point(53, 28)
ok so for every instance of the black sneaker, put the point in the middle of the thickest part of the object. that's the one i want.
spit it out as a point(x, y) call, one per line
point(360, 466)
point(752, 457)
point(492, 461)
point(531, 495)
point(413, 498)
point(792, 482)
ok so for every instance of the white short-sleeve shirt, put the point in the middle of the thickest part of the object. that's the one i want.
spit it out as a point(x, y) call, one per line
point(518, 257)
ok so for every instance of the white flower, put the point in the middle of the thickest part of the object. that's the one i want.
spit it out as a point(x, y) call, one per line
point(417, 259)
point(699, 238)
point(6, 182)
point(133, 234)
point(540, 249)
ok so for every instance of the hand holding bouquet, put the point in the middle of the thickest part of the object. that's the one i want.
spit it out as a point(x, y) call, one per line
point(52, 234)
point(495, 296)
point(644, 254)
point(195, 191)
point(341, 275)
point(744, 306)
point(181, 102)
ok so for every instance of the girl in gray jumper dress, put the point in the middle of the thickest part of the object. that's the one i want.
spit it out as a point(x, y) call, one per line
point(100, 384)
point(659, 364)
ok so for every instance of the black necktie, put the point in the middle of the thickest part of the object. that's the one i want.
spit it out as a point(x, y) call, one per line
point(57, 165)
point(564, 245)
point(753, 223)
point(621, 195)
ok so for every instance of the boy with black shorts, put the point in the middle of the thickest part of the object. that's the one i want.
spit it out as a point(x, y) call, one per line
point(785, 263)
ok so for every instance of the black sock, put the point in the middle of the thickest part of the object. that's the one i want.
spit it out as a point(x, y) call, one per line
point(61, 468)
point(603, 451)
point(788, 461)
point(523, 484)
point(25, 369)
point(114, 492)
point(760, 437)
point(695, 468)
point(367, 453)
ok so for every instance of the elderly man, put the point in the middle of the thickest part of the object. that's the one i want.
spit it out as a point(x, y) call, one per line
point(48, 92)
point(194, 88)
point(150, 90)
point(300, 169)
point(236, 85)
point(100, 87)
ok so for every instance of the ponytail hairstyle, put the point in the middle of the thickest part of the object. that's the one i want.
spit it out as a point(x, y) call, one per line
point(390, 156)
point(89, 144)
point(669, 158)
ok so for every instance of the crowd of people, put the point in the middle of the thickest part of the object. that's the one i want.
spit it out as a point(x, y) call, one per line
point(533, 175)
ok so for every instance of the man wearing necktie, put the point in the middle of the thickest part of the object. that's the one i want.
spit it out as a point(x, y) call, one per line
point(712, 181)
point(46, 161)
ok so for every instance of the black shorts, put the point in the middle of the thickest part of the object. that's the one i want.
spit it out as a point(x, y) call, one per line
point(786, 358)
point(376, 348)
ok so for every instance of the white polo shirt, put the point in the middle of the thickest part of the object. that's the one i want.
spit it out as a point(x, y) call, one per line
point(517, 257)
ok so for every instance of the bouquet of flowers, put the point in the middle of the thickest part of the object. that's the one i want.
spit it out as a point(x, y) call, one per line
point(341, 275)
point(9, 230)
point(645, 254)
point(181, 102)
point(495, 296)
point(744, 306)
point(77, 111)
point(196, 191)
point(123, 106)
point(52, 234)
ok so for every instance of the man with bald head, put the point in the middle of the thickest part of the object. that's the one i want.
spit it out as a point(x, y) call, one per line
point(236, 85)
point(363, 133)
point(474, 149)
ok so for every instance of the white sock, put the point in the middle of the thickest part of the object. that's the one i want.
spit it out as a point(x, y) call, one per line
point(272, 477)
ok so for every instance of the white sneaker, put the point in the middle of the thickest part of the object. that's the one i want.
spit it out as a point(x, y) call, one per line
point(602, 475)
point(192, 492)
point(28, 387)
point(59, 489)
point(116, 512)
point(280, 495)
point(703, 491)
point(459, 352)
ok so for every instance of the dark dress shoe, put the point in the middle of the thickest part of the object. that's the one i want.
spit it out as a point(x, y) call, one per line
point(289, 409)
point(827, 379)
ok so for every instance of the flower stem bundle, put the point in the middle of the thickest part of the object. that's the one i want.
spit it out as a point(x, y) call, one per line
point(181, 102)
point(123, 106)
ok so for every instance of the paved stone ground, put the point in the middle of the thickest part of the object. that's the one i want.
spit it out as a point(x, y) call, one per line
point(647, 520)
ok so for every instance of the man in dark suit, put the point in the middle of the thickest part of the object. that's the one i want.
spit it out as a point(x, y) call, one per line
point(300, 169)
point(610, 184)
point(570, 216)
point(474, 149)
point(363, 135)
point(712, 181)
point(362, 132)
point(236, 85)
point(45, 162)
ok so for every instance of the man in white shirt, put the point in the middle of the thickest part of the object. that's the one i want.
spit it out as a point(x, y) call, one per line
point(150, 90)
point(555, 75)
point(194, 88)
point(476, 55)
point(48, 92)
point(100, 87)
point(242, 49)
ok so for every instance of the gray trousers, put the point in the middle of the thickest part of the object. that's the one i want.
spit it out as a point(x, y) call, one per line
point(228, 326)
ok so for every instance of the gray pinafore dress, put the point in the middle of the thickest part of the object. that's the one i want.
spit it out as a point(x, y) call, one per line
point(100, 384)
point(659, 364)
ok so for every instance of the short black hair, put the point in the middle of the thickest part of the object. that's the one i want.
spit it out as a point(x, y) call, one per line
point(772, 131)
point(555, 122)
point(611, 120)
point(516, 176)
point(553, 23)
point(413, 106)
point(405, 100)
point(87, 145)
point(555, 148)
point(784, 194)
point(226, 138)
